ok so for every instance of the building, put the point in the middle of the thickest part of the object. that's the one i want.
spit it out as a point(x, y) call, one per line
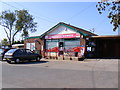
point(62, 40)
point(104, 46)
point(18, 46)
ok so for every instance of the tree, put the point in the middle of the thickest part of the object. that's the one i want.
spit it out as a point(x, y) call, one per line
point(18, 42)
point(16, 22)
point(113, 8)
point(4, 42)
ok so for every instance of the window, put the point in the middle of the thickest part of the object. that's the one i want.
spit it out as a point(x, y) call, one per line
point(12, 50)
point(51, 44)
point(1, 50)
point(28, 51)
point(71, 43)
point(20, 51)
point(30, 46)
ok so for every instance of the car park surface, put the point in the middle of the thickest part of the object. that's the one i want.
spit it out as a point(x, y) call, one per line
point(96, 73)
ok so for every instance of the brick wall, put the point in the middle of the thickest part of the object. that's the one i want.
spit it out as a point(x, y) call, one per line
point(82, 41)
point(39, 43)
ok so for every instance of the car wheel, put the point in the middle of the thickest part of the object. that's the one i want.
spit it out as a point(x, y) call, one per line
point(8, 61)
point(17, 60)
point(38, 59)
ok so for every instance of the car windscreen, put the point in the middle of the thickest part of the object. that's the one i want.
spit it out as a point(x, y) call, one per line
point(11, 51)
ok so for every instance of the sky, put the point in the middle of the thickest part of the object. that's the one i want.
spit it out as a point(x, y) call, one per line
point(47, 14)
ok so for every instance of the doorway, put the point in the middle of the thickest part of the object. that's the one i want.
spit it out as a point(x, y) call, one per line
point(61, 48)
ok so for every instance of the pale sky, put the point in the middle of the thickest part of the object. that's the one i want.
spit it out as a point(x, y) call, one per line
point(47, 14)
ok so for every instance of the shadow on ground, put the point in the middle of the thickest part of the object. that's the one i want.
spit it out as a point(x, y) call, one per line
point(32, 62)
point(103, 58)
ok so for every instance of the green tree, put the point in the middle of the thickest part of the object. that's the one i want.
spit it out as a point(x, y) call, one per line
point(4, 42)
point(19, 42)
point(113, 8)
point(19, 21)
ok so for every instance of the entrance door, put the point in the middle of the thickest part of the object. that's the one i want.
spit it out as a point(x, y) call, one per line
point(61, 48)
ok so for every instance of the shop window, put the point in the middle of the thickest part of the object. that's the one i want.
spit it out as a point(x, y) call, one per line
point(69, 44)
point(50, 44)
point(30, 46)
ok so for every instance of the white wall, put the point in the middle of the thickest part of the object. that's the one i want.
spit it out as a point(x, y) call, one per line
point(61, 30)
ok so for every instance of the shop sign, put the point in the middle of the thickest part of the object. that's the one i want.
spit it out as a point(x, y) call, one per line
point(56, 36)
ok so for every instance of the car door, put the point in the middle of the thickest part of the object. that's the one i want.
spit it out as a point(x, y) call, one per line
point(20, 54)
point(24, 54)
point(30, 54)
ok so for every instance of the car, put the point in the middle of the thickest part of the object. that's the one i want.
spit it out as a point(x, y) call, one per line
point(18, 55)
point(3, 51)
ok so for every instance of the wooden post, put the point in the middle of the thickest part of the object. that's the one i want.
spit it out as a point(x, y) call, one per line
point(50, 54)
point(56, 56)
point(63, 54)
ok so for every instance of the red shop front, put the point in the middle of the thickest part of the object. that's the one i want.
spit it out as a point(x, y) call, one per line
point(65, 41)
point(61, 41)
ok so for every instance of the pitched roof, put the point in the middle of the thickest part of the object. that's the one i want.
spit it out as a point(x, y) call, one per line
point(79, 30)
point(82, 30)
point(32, 37)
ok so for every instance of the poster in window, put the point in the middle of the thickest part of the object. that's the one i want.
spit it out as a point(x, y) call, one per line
point(32, 46)
point(28, 46)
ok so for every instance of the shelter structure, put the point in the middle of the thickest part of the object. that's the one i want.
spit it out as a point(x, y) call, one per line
point(104, 46)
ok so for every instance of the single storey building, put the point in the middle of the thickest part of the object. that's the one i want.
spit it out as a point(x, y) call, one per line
point(62, 40)
point(104, 46)
point(18, 46)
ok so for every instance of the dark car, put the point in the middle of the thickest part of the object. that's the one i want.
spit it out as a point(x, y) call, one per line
point(3, 51)
point(18, 55)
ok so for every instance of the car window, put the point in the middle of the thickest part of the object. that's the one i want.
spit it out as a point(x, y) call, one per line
point(28, 51)
point(20, 51)
point(1, 50)
point(5, 50)
point(11, 50)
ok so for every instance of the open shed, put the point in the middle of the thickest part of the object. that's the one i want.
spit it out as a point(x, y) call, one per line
point(105, 46)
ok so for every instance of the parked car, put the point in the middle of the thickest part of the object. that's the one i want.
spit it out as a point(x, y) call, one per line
point(3, 51)
point(18, 55)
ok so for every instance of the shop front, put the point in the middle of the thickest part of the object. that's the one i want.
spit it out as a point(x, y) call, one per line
point(63, 41)
point(63, 46)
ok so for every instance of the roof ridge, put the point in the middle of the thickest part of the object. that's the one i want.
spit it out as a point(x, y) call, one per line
point(77, 29)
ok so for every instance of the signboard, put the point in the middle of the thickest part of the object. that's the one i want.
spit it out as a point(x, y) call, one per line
point(88, 49)
point(56, 36)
